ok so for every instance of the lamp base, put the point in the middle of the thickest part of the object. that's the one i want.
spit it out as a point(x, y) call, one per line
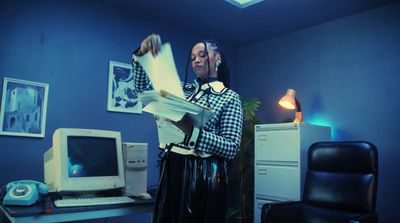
point(298, 118)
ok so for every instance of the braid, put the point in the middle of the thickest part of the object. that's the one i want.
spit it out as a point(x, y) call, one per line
point(187, 67)
point(223, 69)
point(208, 59)
point(208, 73)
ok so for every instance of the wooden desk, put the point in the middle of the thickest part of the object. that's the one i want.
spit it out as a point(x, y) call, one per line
point(36, 213)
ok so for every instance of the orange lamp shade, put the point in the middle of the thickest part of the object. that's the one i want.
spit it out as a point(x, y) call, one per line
point(289, 101)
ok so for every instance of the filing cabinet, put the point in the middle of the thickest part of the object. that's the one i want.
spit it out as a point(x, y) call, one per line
point(280, 160)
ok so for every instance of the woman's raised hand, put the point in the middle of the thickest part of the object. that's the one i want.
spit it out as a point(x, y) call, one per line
point(151, 43)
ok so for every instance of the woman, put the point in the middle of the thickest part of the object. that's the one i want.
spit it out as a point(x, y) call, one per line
point(193, 188)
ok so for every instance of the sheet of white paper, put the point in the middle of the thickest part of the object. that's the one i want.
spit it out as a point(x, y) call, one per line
point(168, 132)
point(163, 111)
point(162, 71)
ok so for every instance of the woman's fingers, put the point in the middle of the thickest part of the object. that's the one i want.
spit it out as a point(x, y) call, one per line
point(155, 44)
point(151, 43)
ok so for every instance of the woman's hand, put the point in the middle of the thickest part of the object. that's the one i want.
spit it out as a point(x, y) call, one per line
point(185, 124)
point(151, 43)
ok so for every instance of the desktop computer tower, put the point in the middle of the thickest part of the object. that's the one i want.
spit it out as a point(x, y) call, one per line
point(135, 166)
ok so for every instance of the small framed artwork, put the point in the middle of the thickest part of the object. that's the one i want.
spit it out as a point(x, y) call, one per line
point(23, 108)
point(122, 96)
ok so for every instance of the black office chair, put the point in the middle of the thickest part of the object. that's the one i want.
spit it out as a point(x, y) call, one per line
point(340, 186)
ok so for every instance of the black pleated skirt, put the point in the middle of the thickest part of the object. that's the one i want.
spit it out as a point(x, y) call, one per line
point(191, 190)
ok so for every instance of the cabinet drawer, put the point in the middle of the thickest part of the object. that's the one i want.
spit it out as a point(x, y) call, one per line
point(277, 145)
point(277, 182)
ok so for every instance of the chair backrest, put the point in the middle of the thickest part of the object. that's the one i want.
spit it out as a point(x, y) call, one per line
point(342, 175)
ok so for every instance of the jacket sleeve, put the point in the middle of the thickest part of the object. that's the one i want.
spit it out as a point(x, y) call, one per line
point(226, 143)
point(141, 81)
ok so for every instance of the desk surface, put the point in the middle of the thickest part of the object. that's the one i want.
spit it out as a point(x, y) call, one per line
point(46, 212)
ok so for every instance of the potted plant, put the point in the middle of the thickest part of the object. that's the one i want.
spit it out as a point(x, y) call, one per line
point(243, 166)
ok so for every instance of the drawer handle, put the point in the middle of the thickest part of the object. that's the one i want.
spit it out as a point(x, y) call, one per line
point(262, 137)
point(262, 171)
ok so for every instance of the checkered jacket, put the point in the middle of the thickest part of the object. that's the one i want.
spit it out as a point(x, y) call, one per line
point(221, 135)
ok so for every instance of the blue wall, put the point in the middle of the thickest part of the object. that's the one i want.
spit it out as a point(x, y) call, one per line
point(331, 66)
point(347, 75)
point(69, 45)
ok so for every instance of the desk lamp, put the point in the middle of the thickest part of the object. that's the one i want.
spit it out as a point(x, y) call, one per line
point(289, 101)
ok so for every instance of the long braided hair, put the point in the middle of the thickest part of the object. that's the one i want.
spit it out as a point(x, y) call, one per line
point(223, 68)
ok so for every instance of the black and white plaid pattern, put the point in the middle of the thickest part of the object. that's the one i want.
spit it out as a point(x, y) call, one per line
point(221, 135)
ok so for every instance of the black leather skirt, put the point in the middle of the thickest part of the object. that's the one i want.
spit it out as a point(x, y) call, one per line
point(191, 190)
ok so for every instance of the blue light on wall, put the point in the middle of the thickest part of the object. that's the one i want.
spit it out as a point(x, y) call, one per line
point(323, 122)
point(243, 3)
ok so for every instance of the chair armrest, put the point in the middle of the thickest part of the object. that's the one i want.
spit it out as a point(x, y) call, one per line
point(365, 218)
point(286, 211)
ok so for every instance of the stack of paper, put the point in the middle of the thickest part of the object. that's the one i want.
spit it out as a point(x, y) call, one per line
point(167, 101)
point(168, 106)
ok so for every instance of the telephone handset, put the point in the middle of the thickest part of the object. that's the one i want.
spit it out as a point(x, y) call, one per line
point(24, 192)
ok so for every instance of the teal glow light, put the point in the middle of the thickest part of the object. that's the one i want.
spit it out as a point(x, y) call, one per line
point(323, 122)
point(243, 3)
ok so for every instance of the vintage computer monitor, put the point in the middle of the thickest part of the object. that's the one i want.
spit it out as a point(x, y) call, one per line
point(84, 160)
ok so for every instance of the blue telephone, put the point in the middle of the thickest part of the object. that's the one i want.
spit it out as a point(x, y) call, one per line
point(24, 192)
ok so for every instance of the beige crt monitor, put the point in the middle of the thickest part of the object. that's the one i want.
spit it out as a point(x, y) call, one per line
point(83, 160)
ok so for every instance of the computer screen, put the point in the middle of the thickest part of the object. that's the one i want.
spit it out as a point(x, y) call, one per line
point(91, 157)
point(84, 160)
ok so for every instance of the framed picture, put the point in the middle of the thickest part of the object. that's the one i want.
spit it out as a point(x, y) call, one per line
point(23, 108)
point(122, 96)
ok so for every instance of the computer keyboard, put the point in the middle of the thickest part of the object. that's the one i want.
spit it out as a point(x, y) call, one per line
point(92, 201)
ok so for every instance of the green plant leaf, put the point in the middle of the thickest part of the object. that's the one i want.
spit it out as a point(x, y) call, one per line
point(250, 108)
